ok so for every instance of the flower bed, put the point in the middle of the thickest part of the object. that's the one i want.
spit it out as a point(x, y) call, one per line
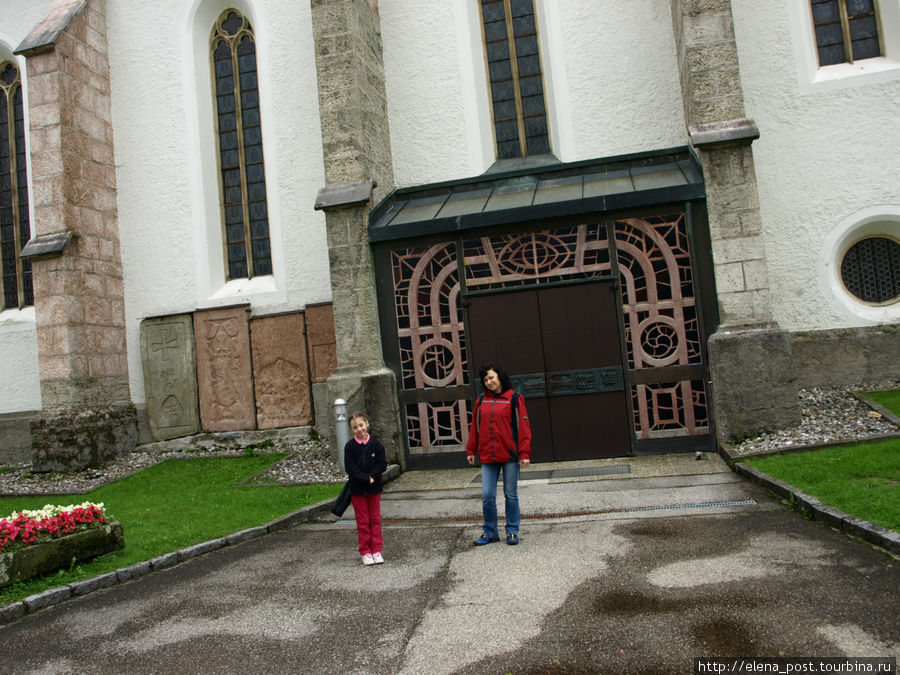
point(24, 528)
point(37, 542)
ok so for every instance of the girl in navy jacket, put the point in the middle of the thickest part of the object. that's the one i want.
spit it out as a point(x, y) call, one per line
point(365, 461)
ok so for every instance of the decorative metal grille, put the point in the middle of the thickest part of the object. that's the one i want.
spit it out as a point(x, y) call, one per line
point(661, 322)
point(871, 270)
point(433, 425)
point(658, 302)
point(666, 410)
point(432, 341)
point(510, 260)
point(659, 307)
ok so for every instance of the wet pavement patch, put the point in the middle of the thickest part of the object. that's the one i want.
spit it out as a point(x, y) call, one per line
point(726, 636)
point(630, 602)
point(656, 529)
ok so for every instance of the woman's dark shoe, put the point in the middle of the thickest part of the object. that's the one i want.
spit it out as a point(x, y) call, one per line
point(484, 539)
point(512, 539)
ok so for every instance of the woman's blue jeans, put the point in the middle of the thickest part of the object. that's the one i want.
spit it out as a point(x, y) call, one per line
point(490, 474)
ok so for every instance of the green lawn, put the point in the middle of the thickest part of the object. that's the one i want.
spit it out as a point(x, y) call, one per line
point(887, 399)
point(170, 506)
point(861, 479)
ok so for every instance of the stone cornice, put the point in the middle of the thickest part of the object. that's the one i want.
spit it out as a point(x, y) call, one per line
point(727, 132)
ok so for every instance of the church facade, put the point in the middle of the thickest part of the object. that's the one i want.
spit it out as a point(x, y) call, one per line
point(662, 217)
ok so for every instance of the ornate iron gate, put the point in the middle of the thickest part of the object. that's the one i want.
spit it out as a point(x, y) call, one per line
point(649, 256)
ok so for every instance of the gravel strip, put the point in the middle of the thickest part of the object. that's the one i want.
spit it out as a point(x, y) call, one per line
point(828, 414)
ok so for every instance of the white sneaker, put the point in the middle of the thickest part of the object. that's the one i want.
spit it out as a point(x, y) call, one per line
point(377, 558)
point(368, 559)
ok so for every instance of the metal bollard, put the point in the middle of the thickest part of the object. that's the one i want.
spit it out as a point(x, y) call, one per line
point(342, 431)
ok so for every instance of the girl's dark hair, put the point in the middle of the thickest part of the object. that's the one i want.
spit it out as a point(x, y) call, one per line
point(505, 382)
point(356, 414)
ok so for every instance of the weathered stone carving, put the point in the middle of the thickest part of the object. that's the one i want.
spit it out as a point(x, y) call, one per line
point(224, 379)
point(281, 371)
point(170, 376)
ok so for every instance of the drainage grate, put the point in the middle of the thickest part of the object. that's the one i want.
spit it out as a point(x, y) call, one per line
point(593, 471)
point(746, 502)
point(568, 473)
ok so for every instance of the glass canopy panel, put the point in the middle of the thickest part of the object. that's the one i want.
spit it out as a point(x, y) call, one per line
point(420, 208)
point(466, 201)
point(690, 170)
point(511, 194)
point(558, 189)
point(613, 180)
point(660, 176)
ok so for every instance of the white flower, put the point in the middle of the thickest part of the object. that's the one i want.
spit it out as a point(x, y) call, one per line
point(51, 510)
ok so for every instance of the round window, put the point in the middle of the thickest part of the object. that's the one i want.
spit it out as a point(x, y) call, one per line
point(871, 270)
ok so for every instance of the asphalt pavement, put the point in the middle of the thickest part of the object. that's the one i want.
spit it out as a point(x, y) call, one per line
point(630, 565)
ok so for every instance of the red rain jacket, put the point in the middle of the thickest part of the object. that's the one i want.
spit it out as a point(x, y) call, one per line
point(491, 432)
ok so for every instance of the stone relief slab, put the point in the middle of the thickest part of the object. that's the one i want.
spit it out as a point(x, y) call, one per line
point(281, 371)
point(224, 377)
point(170, 376)
point(322, 343)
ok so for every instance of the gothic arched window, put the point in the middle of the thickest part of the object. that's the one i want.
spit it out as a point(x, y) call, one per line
point(15, 227)
point(242, 175)
point(516, 79)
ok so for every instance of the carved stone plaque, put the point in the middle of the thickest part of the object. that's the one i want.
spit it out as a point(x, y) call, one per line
point(280, 371)
point(170, 376)
point(224, 379)
point(322, 343)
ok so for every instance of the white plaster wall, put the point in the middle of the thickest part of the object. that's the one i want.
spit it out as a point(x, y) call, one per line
point(610, 75)
point(20, 388)
point(168, 199)
point(431, 89)
point(827, 159)
point(623, 93)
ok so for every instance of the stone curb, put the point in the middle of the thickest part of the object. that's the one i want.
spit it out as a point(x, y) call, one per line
point(812, 507)
point(55, 596)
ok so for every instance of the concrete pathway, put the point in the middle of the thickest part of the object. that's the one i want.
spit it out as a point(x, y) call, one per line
point(637, 572)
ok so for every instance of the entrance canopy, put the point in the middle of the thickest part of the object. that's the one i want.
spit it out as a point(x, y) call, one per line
point(581, 275)
point(535, 194)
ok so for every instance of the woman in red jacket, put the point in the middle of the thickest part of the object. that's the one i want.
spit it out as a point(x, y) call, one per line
point(501, 435)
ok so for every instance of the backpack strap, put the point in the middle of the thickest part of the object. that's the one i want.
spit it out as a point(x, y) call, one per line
point(514, 423)
point(477, 410)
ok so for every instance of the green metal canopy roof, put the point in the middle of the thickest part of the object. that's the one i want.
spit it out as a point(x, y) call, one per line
point(538, 193)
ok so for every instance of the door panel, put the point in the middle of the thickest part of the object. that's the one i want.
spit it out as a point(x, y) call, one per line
point(579, 327)
point(580, 333)
point(561, 347)
point(505, 330)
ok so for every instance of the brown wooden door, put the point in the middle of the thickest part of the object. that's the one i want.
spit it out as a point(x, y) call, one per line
point(561, 347)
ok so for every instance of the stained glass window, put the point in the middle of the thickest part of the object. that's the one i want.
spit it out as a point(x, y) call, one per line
point(239, 135)
point(15, 227)
point(846, 30)
point(517, 85)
